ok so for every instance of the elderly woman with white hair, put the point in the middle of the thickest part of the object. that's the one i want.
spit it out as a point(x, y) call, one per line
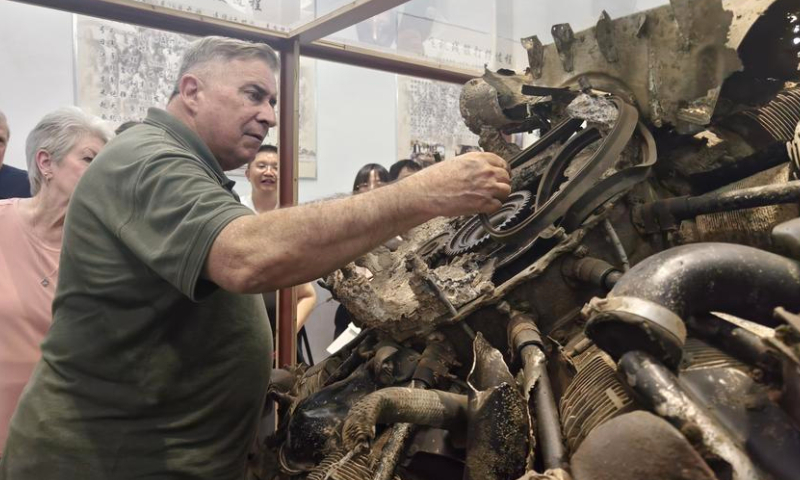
point(58, 151)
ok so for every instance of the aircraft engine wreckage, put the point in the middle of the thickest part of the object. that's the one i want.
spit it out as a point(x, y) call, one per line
point(629, 313)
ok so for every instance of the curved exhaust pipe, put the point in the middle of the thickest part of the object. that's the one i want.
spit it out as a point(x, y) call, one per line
point(646, 308)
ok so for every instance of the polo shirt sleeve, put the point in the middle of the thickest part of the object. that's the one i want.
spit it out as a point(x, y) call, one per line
point(178, 210)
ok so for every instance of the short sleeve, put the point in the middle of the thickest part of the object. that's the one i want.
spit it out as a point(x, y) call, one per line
point(179, 209)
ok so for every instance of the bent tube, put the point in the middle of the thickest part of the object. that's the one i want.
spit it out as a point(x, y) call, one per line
point(431, 408)
point(646, 308)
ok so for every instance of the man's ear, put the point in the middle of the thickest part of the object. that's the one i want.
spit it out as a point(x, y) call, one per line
point(190, 87)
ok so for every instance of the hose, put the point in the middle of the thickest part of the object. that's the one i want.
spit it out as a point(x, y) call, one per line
point(433, 408)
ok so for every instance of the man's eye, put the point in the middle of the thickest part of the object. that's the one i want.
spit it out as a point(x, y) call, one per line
point(254, 96)
point(273, 102)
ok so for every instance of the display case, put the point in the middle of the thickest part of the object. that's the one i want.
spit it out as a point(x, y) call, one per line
point(444, 40)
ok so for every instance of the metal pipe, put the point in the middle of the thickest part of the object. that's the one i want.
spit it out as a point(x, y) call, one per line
point(395, 446)
point(666, 214)
point(436, 361)
point(662, 393)
point(524, 336)
point(738, 342)
point(591, 270)
point(618, 247)
point(646, 308)
point(548, 425)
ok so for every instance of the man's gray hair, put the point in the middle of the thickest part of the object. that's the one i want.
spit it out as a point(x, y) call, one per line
point(223, 48)
point(57, 133)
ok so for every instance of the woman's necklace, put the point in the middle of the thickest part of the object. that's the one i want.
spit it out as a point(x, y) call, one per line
point(43, 260)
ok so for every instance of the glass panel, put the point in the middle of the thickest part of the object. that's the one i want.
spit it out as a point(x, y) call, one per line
point(472, 34)
point(121, 70)
point(429, 121)
point(527, 18)
point(458, 33)
point(275, 15)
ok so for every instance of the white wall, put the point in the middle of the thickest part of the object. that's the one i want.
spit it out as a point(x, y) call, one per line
point(356, 125)
point(36, 69)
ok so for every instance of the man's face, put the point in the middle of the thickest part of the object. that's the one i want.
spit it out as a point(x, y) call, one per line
point(235, 109)
point(263, 172)
point(3, 140)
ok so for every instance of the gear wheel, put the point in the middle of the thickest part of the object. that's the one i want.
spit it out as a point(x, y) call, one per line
point(793, 147)
point(432, 250)
point(473, 235)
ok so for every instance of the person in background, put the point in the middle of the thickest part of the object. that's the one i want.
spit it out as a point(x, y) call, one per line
point(58, 151)
point(464, 149)
point(13, 181)
point(403, 169)
point(262, 173)
point(370, 177)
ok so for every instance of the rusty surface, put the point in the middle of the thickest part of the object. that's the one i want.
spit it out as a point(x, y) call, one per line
point(616, 450)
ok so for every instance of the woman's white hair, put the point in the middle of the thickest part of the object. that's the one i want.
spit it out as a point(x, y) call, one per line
point(223, 48)
point(57, 133)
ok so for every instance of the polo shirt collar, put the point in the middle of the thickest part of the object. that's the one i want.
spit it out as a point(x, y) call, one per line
point(188, 138)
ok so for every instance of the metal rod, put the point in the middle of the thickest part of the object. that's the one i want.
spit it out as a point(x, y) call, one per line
point(662, 393)
point(737, 342)
point(667, 213)
point(548, 425)
point(615, 241)
point(288, 150)
point(392, 452)
point(524, 336)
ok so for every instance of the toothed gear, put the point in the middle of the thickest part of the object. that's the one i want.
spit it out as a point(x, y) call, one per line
point(794, 151)
point(472, 235)
point(433, 249)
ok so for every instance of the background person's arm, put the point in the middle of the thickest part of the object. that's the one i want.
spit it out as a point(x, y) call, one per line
point(306, 301)
point(290, 246)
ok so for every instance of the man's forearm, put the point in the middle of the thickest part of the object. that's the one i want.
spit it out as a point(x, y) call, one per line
point(294, 245)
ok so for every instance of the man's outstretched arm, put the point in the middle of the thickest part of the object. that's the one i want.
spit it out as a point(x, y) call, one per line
point(291, 246)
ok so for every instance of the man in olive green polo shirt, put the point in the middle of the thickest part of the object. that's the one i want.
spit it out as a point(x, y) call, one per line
point(158, 359)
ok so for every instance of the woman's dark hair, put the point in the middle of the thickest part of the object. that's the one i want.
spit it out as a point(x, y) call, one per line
point(394, 170)
point(362, 177)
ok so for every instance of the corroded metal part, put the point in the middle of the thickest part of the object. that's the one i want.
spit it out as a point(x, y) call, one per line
point(631, 437)
point(497, 438)
point(662, 78)
point(564, 39)
point(669, 64)
point(535, 51)
point(667, 398)
point(604, 32)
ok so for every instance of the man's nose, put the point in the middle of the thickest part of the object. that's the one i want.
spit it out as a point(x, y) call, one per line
point(267, 115)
